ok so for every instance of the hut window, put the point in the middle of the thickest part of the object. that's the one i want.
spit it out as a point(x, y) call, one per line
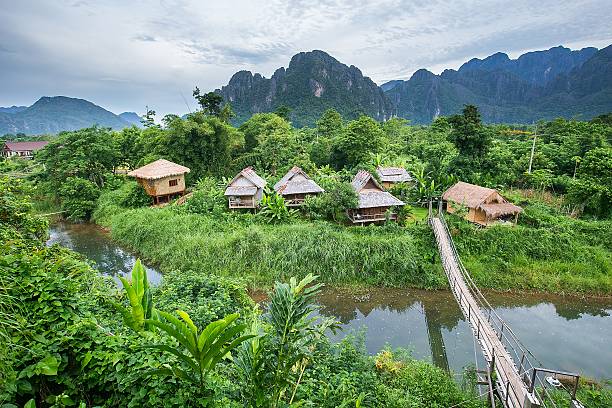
point(173, 183)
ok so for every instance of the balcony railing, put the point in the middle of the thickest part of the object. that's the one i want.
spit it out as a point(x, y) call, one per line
point(357, 218)
point(241, 203)
point(294, 202)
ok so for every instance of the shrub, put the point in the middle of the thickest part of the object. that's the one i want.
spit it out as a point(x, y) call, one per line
point(274, 209)
point(133, 195)
point(207, 197)
point(204, 297)
point(78, 198)
point(333, 203)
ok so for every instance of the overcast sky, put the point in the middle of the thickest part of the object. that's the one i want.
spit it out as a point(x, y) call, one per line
point(124, 54)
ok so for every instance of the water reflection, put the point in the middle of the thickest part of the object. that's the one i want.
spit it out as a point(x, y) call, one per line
point(565, 333)
point(92, 242)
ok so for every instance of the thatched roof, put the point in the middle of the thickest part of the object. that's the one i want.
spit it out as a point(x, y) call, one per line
point(485, 199)
point(362, 178)
point(467, 194)
point(496, 210)
point(393, 174)
point(372, 197)
point(378, 199)
point(296, 181)
point(239, 190)
point(159, 169)
point(24, 146)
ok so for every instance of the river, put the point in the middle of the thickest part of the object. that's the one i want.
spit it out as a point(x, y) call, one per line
point(565, 333)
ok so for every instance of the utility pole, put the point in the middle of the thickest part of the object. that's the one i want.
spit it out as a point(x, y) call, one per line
point(535, 135)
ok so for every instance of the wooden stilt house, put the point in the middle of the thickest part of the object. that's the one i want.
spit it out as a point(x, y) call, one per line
point(295, 186)
point(162, 180)
point(374, 201)
point(245, 190)
point(393, 175)
point(485, 206)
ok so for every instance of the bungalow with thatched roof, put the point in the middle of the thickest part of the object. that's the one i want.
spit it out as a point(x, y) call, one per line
point(393, 175)
point(245, 190)
point(162, 179)
point(374, 201)
point(485, 205)
point(295, 186)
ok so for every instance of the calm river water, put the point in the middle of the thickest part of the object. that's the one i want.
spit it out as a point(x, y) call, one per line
point(564, 333)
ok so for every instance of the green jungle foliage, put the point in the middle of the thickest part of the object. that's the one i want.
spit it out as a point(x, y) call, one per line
point(70, 347)
point(570, 157)
point(571, 164)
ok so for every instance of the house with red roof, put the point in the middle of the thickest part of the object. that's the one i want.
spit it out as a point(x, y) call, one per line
point(22, 149)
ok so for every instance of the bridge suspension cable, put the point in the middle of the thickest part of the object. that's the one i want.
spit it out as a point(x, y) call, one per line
point(514, 374)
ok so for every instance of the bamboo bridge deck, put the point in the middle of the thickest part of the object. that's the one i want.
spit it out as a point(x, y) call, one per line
point(513, 374)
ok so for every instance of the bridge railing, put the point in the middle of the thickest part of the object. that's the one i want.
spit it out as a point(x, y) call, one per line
point(529, 367)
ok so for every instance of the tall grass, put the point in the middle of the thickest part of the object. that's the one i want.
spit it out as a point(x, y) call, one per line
point(548, 252)
point(263, 253)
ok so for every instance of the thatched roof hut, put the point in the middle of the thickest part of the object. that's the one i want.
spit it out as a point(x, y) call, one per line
point(161, 179)
point(295, 186)
point(374, 201)
point(245, 190)
point(485, 205)
point(393, 175)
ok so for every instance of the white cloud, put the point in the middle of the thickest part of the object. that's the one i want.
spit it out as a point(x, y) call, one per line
point(125, 55)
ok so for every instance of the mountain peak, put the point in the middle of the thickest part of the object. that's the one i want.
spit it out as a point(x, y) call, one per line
point(422, 74)
point(313, 82)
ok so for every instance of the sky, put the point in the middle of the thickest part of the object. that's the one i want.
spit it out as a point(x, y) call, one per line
point(125, 55)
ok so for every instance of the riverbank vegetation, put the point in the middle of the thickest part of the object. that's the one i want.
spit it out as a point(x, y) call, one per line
point(561, 244)
point(559, 254)
point(66, 344)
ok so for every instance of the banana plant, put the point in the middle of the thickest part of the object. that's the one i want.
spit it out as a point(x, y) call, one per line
point(198, 352)
point(139, 295)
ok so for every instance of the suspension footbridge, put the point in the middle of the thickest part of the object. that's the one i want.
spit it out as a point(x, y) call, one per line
point(514, 376)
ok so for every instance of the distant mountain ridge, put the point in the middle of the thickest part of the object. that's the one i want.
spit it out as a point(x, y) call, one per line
point(13, 109)
point(313, 82)
point(536, 85)
point(55, 114)
point(132, 118)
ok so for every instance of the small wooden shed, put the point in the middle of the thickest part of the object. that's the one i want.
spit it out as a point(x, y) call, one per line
point(485, 205)
point(374, 201)
point(393, 175)
point(245, 190)
point(163, 180)
point(295, 186)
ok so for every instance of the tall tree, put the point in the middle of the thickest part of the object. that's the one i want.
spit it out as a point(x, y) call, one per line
point(468, 133)
point(202, 143)
point(283, 111)
point(360, 139)
point(210, 102)
point(260, 126)
point(87, 153)
point(148, 119)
